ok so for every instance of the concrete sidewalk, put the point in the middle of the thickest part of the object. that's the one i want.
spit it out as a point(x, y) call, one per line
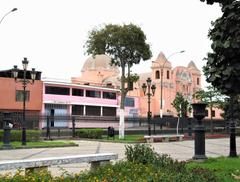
point(182, 150)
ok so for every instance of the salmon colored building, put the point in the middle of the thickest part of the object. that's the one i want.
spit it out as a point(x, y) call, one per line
point(186, 80)
point(11, 93)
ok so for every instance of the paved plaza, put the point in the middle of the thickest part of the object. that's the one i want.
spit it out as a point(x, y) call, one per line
point(182, 150)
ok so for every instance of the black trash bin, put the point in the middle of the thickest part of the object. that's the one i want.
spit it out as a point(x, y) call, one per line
point(111, 132)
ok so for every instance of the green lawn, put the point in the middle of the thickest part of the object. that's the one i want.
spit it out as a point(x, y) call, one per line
point(227, 169)
point(127, 139)
point(42, 144)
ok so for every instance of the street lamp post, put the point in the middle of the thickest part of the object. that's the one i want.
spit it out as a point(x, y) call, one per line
point(24, 82)
point(161, 84)
point(149, 94)
point(14, 9)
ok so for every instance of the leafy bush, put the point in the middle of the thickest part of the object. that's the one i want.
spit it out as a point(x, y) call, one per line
point(145, 154)
point(140, 153)
point(95, 133)
point(143, 164)
point(16, 135)
point(119, 172)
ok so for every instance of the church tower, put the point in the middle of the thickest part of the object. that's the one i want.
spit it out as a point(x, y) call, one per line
point(162, 77)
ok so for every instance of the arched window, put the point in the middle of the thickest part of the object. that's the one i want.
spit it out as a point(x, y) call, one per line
point(157, 74)
point(198, 81)
point(168, 75)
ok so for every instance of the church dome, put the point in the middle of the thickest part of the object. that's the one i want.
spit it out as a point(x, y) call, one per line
point(99, 62)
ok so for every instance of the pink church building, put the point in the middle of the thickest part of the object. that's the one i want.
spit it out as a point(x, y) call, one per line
point(186, 80)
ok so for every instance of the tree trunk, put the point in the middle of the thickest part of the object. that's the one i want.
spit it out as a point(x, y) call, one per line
point(121, 113)
point(211, 120)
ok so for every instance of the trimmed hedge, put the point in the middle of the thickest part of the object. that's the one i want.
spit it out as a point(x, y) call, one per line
point(95, 133)
point(16, 135)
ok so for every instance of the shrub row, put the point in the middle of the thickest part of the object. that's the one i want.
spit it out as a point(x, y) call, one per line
point(119, 172)
point(142, 164)
point(16, 135)
point(95, 133)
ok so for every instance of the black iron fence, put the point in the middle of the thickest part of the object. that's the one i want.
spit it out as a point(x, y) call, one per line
point(62, 126)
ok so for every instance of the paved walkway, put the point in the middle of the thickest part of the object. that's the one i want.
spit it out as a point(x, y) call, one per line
point(182, 150)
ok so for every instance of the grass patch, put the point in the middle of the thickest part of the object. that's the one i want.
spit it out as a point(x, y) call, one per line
point(127, 139)
point(226, 169)
point(41, 144)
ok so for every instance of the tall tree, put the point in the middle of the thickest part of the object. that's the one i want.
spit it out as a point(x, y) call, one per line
point(212, 97)
point(223, 66)
point(181, 105)
point(125, 45)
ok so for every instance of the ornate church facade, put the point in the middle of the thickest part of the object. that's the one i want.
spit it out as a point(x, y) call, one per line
point(186, 80)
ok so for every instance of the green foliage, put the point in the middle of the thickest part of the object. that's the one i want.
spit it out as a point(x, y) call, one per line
point(211, 96)
point(16, 135)
point(119, 172)
point(129, 171)
point(124, 44)
point(223, 67)
point(224, 2)
point(43, 176)
point(132, 78)
point(232, 110)
point(181, 105)
point(226, 169)
point(127, 139)
point(90, 133)
point(157, 168)
point(140, 153)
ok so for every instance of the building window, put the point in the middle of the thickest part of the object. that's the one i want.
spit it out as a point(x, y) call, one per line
point(57, 90)
point(19, 95)
point(213, 113)
point(93, 110)
point(109, 95)
point(198, 81)
point(77, 92)
point(93, 93)
point(157, 75)
point(168, 75)
point(77, 110)
point(109, 111)
point(129, 102)
point(206, 113)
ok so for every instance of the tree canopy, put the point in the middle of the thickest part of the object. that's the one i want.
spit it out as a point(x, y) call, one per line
point(223, 66)
point(211, 96)
point(223, 2)
point(125, 45)
point(181, 105)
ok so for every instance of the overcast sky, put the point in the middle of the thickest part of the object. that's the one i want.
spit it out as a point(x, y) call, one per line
point(52, 33)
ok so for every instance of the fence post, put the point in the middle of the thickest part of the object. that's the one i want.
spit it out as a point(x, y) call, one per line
point(7, 129)
point(154, 126)
point(73, 126)
point(190, 127)
point(48, 129)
